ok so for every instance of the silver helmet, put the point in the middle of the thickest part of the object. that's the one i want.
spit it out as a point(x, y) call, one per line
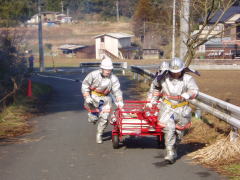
point(176, 65)
point(164, 66)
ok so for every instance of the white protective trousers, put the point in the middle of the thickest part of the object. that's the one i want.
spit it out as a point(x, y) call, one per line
point(170, 117)
point(171, 110)
point(99, 88)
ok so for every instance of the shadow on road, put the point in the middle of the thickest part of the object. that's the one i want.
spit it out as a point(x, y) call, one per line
point(107, 136)
point(182, 150)
point(139, 142)
point(161, 164)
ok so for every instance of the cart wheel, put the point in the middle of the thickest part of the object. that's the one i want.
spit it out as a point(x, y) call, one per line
point(161, 142)
point(115, 141)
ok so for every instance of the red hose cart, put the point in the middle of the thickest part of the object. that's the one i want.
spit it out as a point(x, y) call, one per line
point(135, 120)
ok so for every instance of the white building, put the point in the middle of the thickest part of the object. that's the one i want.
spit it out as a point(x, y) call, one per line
point(49, 16)
point(63, 18)
point(113, 45)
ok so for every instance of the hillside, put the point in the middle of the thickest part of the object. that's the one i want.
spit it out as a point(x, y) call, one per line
point(81, 33)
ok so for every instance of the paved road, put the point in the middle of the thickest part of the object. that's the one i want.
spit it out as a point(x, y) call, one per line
point(62, 146)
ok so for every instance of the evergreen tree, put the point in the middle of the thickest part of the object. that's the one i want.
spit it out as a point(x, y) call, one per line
point(14, 11)
point(127, 8)
point(107, 9)
point(52, 5)
point(151, 14)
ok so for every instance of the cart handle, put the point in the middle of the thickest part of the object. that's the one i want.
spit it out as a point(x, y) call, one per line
point(134, 101)
point(181, 128)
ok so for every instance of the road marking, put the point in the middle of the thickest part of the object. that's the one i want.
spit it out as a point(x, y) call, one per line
point(56, 77)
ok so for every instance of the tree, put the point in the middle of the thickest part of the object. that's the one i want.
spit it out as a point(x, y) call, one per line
point(208, 10)
point(12, 63)
point(13, 12)
point(152, 23)
point(127, 7)
point(52, 5)
point(102, 7)
point(143, 13)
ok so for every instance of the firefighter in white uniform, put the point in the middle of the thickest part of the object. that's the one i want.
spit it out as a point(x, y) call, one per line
point(175, 88)
point(164, 67)
point(96, 89)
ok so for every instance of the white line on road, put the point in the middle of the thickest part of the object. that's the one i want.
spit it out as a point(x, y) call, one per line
point(68, 79)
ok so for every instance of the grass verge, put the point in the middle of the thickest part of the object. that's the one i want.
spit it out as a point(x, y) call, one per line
point(232, 170)
point(14, 118)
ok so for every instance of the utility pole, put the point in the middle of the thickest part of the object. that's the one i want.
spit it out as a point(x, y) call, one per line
point(184, 27)
point(144, 34)
point(67, 12)
point(117, 4)
point(62, 6)
point(40, 43)
point(173, 28)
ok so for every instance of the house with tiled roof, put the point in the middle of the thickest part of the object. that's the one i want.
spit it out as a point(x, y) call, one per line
point(226, 44)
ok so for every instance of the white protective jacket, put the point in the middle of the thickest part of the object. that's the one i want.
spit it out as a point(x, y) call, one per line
point(99, 88)
point(172, 89)
point(173, 109)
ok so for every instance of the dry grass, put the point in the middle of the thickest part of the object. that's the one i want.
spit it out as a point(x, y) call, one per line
point(214, 133)
point(219, 153)
point(232, 170)
point(14, 118)
point(13, 121)
point(207, 130)
point(81, 33)
point(63, 61)
point(222, 152)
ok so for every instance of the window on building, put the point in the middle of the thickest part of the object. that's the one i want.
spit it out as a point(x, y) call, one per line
point(102, 39)
point(227, 32)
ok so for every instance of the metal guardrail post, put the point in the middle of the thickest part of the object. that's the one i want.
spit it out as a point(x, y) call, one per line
point(138, 77)
point(134, 75)
point(124, 65)
point(123, 72)
point(234, 134)
point(198, 113)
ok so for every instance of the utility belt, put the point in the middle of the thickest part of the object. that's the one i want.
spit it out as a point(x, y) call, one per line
point(99, 93)
point(174, 106)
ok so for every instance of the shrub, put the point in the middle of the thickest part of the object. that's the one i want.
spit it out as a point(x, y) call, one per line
point(13, 67)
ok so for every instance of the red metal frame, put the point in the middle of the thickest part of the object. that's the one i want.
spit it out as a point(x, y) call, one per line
point(142, 120)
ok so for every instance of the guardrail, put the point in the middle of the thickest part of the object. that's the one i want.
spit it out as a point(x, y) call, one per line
point(202, 66)
point(221, 109)
point(120, 65)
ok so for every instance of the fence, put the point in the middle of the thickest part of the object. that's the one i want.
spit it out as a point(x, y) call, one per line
point(221, 109)
point(122, 66)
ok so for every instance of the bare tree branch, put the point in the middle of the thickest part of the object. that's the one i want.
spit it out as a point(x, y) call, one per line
point(210, 9)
